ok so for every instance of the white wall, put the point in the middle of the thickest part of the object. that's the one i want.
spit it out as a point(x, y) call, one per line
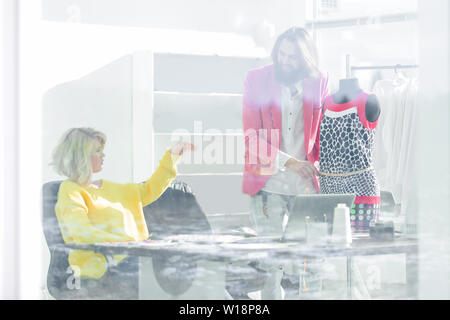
point(101, 100)
point(432, 167)
point(31, 71)
point(9, 174)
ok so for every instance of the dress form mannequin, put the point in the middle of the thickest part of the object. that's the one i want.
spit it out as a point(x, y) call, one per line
point(349, 90)
point(346, 144)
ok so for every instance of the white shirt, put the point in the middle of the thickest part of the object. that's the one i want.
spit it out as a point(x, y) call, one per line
point(285, 181)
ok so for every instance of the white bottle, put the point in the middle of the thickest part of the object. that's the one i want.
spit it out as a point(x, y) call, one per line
point(342, 232)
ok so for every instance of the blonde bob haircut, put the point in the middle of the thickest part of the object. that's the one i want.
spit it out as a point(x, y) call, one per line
point(72, 155)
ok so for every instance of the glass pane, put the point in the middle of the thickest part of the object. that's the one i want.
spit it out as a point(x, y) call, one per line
point(151, 73)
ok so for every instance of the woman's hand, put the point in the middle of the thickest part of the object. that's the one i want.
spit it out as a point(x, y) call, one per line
point(181, 147)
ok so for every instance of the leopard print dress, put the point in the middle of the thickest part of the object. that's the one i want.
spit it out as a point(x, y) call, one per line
point(346, 142)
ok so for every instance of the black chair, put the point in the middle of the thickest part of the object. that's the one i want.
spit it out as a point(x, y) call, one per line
point(176, 211)
point(119, 282)
point(57, 275)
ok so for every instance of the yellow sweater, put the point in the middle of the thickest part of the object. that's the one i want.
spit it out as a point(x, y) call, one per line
point(110, 213)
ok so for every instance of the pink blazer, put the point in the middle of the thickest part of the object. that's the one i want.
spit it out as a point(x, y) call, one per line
point(261, 118)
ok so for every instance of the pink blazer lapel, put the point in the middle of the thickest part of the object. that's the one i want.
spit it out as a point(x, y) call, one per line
point(271, 111)
point(275, 107)
point(310, 95)
point(308, 106)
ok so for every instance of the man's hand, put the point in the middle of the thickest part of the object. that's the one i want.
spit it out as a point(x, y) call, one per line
point(181, 147)
point(303, 168)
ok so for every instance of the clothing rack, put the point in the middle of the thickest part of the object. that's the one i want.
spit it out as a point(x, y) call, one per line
point(350, 69)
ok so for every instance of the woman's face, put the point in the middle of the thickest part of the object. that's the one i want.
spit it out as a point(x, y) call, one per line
point(97, 157)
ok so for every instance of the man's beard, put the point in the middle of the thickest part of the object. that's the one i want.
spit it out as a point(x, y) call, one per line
point(288, 78)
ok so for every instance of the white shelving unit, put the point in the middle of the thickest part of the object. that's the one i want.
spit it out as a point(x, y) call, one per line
point(201, 97)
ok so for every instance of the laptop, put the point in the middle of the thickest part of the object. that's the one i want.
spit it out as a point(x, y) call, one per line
point(319, 208)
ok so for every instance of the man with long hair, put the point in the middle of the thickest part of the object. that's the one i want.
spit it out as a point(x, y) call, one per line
point(281, 112)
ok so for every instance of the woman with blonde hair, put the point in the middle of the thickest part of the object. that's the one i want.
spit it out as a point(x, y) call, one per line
point(103, 211)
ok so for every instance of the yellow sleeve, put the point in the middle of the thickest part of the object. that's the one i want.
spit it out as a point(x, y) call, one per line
point(72, 214)
point(166, 172)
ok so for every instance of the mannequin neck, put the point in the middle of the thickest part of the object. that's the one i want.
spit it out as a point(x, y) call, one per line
point(348, 90)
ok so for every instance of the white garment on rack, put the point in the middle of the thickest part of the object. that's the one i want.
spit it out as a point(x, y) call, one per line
point(405, 174)
point(384, 155)
point(393, 141)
